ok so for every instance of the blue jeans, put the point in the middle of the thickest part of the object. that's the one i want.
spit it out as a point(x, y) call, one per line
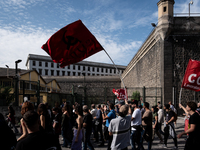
point(135, 135)
point(141, 142)
point(87, 142)
point(66, 142)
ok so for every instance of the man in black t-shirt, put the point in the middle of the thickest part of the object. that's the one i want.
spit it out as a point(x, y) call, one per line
point(36, 140)
point(87, 125)
point(169, 126)
point(193, 142)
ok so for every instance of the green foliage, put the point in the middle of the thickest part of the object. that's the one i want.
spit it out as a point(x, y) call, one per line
point(136, 96)
point(5, 94)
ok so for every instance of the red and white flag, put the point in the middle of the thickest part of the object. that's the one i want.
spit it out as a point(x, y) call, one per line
point(72, 44)
point(121, 94)
point(191, 78)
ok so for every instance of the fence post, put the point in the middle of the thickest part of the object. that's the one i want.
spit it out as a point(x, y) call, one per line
point(105, 94)
point(144, 94)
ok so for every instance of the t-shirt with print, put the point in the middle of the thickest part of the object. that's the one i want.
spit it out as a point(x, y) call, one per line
point(137, 118)
point(169, 115)
point(195, 119)
point(39, 141)
point(111, 115)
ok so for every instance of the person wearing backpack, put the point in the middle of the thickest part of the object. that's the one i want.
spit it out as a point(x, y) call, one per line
point(169, 126)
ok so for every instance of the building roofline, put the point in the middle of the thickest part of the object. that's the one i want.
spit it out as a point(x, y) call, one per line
point(48, 58)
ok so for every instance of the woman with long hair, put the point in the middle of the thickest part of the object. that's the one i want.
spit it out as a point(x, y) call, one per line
point(25, 107)
point(77, 139)
point(44, 118)
point(66, 126)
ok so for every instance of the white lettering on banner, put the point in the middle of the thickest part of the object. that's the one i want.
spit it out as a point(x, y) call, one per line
point(190, 78)
point(191, 86)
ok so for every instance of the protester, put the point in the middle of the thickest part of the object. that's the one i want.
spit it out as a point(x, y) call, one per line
point(171, 106)
point(160, 118)
point(66, 126)
point(56, 122)
point(169, 126)
point(11, 118)
point(111, 115)
point(192, 142)
point(147, 126)
point(105, 112)
point(198, 108)
point(7, 137)
point(87, 125)
point(155, 124)
point(186, 119)
point(98, 125)
point(93, 113)
point(26, 106)
point(77, 139)
point(135, 126)
point(49, 111)
point(119, 128)
point(36, 139)
point(45, 122)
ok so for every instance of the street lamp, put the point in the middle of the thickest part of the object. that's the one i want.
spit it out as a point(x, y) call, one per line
point(190, 3)
point(7, 71)
point(16, 82)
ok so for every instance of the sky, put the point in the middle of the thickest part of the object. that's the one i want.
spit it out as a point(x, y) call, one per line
point(121, 26)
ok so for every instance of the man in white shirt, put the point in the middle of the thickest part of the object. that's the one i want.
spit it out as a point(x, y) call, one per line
point(93, 112)
point(135, 126)
point(160, 118)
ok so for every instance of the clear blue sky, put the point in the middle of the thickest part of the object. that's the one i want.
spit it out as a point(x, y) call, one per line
point(121, 26)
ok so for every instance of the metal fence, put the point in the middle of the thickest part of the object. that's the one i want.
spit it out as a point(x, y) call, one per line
point(97, 95)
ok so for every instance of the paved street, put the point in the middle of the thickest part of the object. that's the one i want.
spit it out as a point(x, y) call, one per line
point(156, 143)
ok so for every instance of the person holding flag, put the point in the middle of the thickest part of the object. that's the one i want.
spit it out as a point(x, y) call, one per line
point(194, 131)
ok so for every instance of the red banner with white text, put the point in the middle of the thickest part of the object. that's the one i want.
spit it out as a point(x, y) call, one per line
point(121, 94)
point(191, 78)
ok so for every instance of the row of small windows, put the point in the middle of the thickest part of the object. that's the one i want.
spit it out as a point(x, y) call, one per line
point(67, 73)
point(79, 67)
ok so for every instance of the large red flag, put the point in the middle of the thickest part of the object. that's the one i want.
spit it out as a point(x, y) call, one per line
point(72, 44)
point(120, 93)
point(191, 78)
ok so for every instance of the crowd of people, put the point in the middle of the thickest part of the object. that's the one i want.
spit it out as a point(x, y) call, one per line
point(126, 123)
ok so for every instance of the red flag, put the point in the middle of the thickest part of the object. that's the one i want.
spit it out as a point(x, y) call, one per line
point(120, 93)
point(72, 44)
point(191, 78)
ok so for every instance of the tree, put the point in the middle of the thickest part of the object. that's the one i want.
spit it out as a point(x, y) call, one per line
point(5, 94)
point(136, 96)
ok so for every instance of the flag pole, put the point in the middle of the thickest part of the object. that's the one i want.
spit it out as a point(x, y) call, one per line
point(117, 72)
point(180, 95)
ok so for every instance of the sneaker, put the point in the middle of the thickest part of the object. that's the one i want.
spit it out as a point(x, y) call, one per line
point(163, 146)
